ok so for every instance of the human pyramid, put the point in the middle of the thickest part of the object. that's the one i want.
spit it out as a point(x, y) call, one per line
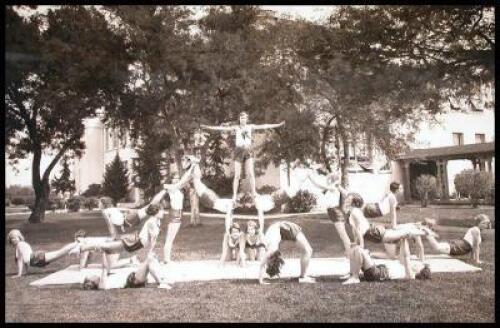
point(349, 212)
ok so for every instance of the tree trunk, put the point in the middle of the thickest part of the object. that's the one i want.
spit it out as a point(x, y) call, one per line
point(345, 162)
point(195, 207)
point(42, 191)
point(324, 140)
point(288, 173)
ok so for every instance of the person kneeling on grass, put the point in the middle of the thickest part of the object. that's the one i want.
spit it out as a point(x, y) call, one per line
point(272, 261)
point(25, 257)
point(470, 243)
point(233, 243)
point(360, 260)
point(136, 279)
point(254, 244)
point(145, 238)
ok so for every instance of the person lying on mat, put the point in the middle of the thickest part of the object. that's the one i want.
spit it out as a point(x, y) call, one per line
point(25, 256)
point(378, 233)
point(470, 243)
point(360, 260)
point(131, 242)
point(233, 244)
point(135, 279)
point(272, 261)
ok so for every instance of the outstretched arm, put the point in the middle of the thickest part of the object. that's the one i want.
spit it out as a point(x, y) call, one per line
point(217, 127)
point(182, 182)
point(267, 126)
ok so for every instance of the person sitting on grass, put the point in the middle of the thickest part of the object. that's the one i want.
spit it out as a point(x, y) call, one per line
point(131, 242)
point(470, 243)
point(135, 279)
point(378, 233)
point(272, 261)
point(254, 244)
point(360, 260)
point(243, 152)
point(25, 257)
point(233, 244)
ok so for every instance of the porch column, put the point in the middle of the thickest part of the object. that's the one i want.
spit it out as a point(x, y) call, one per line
point(406, 180)
point(439, 176)
point(488, 165)
point(446, 187)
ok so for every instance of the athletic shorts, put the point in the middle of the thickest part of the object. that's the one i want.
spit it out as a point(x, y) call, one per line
point(175, 215)
point(336, 214)
point(132, 219)
point(132, 282)
point(289, 231)
point(131, 242)
point(280, 197)
point(372, 210)
point(208, 198)
point(37, 259)
point(375, 233)
point(241, 154)
point(459, 247)
point(376, 273)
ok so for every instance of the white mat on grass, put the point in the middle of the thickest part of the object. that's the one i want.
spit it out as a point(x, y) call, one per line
point(210, 270)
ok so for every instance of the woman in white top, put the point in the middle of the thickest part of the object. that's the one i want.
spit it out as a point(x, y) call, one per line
point(26, 257)
point(387, 205)
point(243, 152)
point(145, 238)
point(136, 279)
point(470, 243)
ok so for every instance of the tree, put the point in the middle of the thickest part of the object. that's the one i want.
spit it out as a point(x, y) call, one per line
point(115, 184)
point(61, 67)
point(93, 190)
point(64, 183)
point(473, 184)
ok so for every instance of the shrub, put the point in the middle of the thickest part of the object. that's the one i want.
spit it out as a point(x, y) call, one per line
point(221, 184)
point(474, 184)
point(266, 189)
point(75, 203)
point(94, 190)
point(302, 202)
point(426, 186)
point(17, 201)
point(7, 201)
point(91, 203)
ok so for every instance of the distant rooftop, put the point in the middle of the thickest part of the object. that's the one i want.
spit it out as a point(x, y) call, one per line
point(453, 152)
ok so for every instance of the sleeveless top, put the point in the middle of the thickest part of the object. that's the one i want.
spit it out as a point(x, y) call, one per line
point(468, 237)
point(244, 136)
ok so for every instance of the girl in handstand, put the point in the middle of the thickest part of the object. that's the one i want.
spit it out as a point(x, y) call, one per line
point(243, 152)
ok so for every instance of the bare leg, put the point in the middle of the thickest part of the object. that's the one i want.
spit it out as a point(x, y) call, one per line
point(340, 227)
point(155, 271)
point(54, 255)
point(394, 235)
point(114, 246)
point(84, 259)
point(405, 250)
point(236, 181)
point(249, 168)
point(307, 251)
point(420, 248)
point(225, 247)
point(440, 247)
point(359, 259)
point(172, 230)
point(141, 274)
point(115, 262)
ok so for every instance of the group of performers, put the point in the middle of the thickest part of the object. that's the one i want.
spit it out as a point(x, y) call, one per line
point(348, 212)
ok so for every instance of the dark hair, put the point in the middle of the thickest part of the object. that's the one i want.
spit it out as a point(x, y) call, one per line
point(152, 209)
point(80, 234)
point(106, 201)
point(274, 264)
point(394, 186)
point(89, 284)
point(425, 273)
point(356, 200)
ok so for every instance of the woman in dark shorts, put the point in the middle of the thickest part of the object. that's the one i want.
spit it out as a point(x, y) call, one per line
point(272, 261)
point(135, 279)
point(360, 260)
point(26, 257)
point(470, 243)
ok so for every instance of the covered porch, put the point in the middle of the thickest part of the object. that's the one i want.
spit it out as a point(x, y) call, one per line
point(434, 161)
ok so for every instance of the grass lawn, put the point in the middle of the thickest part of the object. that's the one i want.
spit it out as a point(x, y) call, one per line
point(457, 297)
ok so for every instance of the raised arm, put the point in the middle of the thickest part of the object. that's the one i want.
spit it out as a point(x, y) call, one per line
point(158, 197)
point(394, 216)
point(104, 273)
point(267, 126)
point(358, 237)
point(217, 127)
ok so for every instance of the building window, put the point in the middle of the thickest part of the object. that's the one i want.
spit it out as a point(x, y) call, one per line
point(458, 138)
point(480, 138)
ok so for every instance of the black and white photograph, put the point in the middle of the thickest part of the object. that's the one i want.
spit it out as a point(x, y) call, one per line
point(249, 163)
